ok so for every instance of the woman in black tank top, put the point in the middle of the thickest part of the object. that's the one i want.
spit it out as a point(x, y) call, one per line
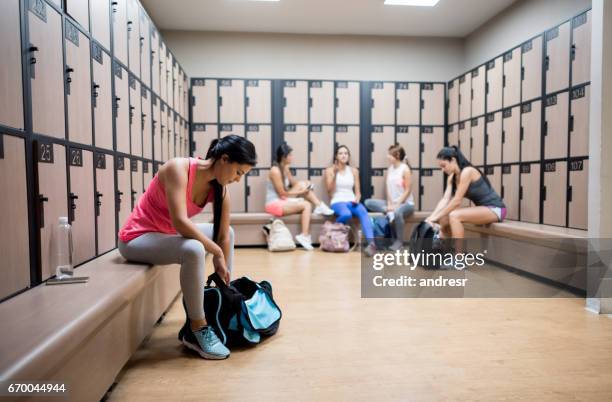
point(464, 180)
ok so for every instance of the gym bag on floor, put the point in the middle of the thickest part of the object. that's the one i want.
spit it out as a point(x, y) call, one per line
point(334, 237)
point(424, 238)
point(278, 236)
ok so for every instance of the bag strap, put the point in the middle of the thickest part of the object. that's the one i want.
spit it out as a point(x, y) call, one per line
point(214, 277)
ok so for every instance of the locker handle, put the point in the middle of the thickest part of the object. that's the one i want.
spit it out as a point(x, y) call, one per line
point(372, 104)
point(247, 101)
point(118, 200)
point(248, 191)
point(220, 101)
point(129, 24)
point(98, 202)
point(571, 123)
point(397, 103)
point(573, 52)
point(503, 137)
point(486, 140)
point(422, 104)
point(41, 217)
point(133, 196)
point(32, 49)
point(486, 88)
point(504, 81)
point(547, 63)
point(522, 73)
point(520, 192)
point(422, 147)
point(569, 194)
point(472, 93)
point(73, 206)
point(544, 193)
point(310, 102)
point(502, 192)
point(94, 94)
point(337, 102)
point(545, 129)
point(522, 134)
point(309, 146)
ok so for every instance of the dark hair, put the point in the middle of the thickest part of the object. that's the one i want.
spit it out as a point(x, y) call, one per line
point(448, 153)
point(238, 149)
point(398, 152)
point(282, 151)
point(338, 148)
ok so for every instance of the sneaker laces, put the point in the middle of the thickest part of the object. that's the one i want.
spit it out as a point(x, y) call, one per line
point(210, 336)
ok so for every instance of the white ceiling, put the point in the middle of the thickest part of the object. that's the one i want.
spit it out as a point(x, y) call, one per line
point(450, 18)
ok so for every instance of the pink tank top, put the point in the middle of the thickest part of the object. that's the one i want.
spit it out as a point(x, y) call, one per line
point(151, 212)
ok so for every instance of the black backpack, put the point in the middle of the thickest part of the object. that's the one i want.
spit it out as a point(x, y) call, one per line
point(424, 239)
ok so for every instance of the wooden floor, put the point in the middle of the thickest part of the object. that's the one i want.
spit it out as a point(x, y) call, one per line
point(334, 346)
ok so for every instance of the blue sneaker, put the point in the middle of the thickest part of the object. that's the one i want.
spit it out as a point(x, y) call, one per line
point(206, 343)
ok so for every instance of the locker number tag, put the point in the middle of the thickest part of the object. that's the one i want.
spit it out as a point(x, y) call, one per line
point(120, 163)
point(72, 33)
point(39, 9)
point(576, 165)
point(578, 93)
point(526, 168)
point(134, 165)
point(550, 167)
point(76, 157)
point(45, 152)
point(100, 161)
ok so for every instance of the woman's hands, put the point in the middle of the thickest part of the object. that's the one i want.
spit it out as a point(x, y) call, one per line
point(221, 267)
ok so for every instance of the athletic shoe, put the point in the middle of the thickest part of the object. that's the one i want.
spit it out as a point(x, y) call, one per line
point(323, 209)
point(370, 250)
point(391, 216)
point(305, 241)
point(206, 343)
point(397, 244)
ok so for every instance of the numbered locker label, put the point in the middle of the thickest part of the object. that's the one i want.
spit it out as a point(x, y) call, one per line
point(100, 160)
point(39, 9)
point(525, 168)
point(120, 163)
point(549, 167)
point(576, 165)
point(75, 157)
point(578, 93)
point(72, 33)
point(45, 152)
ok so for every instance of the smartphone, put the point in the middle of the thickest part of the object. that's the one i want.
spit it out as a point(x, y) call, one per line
point(74, 279)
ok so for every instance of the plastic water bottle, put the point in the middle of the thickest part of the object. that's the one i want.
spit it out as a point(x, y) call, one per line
point(63, 249)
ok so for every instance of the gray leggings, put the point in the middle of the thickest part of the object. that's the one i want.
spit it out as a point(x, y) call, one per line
point(162, 249)
point(401, 213)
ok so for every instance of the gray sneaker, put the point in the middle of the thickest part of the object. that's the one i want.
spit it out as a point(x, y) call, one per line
point(370, 250)
point(206, 343)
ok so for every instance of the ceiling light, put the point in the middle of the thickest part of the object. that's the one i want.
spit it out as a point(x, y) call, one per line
point(419, 3)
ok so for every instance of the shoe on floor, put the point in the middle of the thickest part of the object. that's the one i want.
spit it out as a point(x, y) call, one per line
point(370, 250)
point(323, 209)
point(206, 343)
point(397, 244)
point(305, 241)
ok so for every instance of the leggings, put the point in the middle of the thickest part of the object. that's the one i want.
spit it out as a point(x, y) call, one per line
point(401, 213)
point(346, 210)
point(162, 249)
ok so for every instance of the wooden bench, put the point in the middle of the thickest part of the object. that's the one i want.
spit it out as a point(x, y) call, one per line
point(83, 334)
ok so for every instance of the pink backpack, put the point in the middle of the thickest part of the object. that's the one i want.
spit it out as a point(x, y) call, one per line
point(334, 237)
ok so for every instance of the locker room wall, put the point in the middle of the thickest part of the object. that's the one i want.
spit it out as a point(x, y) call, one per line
point(80, 125)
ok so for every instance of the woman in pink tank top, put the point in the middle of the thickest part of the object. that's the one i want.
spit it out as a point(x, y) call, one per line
point(159, 230)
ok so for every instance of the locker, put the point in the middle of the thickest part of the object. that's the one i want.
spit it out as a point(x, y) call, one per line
point(136, 170)
point(135, 116)
point(432, 188)
point(511, 135)
point(124, 189)
point(453, 135)
point(378, 184)
point(79, 10)
point(105, 205)
point(147, 175)
point(433, 141)
point(261, 136)
point(156, 128)
point(347, 102)
point(530, 192)
point(258, 101)
point(581, 48)
point(556, 126)
point(231, 101)
point(557, 60)
point(175, 84)
point(554, 193)
point(205, 101)
point(78, 85)
point(169, 79)
point(383, 101)
point(321, 102)
point(295, 102)
point(453, 101)
point(408, 100)
point(512, 78)
point(11, 96)
point(317, 177)
point(164, 132)
point(531, 69)
point(14, 243)
point(81, 205)
point(119, 14)
point(237, 193)
point(145, 49)
point(409, 139)
point(297, 138)
point(46, 70)
point(530, 131)
point(465, 139)
point(382, 138)
point(493, 138)
point(478, 141)
point(256, 181)
point(155, 63)
point(172, 134)
point(51, 200)
point(432, 104)
point(179, 107)
point(511, 191)
point(349, 136)
point(121, 107)
point(494, 176)
point(102, 97)
point(321, 146)
point(227, 129)
point(579, 121)
point(577, 196)
point(147, 135)
point(163, 72)
point(100, 22)
point(479, 86)
point(494, 90)
point(465, 96)
point(133, 34)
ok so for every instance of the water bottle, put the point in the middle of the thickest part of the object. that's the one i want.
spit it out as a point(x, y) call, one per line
point(63, 249)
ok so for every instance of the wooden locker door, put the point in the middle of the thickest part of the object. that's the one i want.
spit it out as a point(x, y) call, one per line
point(136, 169)
point(157, 130)
point(479, 86)
point(105, 203)
point(261, 136)
point(432, 188)
point(205, 101)
point(530, 192)
point(554, 193)
point(147, 175)
point(557, 61)
point(231, 101)
point(164, 132)
point(465, 97)
point(317, 178)
point(495, 78)
point(203, 134)
point(383, 103)
point(135, 116)
point(409, 139)
point(382, 138)
point(512, 78)
point(170, 78)
point(174, 138)
point(11, 96)
point(531, 131)
point(453, 101)
point(145, 49)
point(102, 98)
point(119, 14)
point(578, 193)
point(433, 141)
point(432, 104)
point(14, 236)
point(408, 103)
point(46, 70)
point(581, 48)
point(78, 85)
point(237, 195)
point(453, 135)
point(79, 10)
point(155, 62)
point(147, 134)
point(478, 141)
point(493, 138)
point(349, 136)
point(556, 126)
point(511, 191)
point(378, 184)
point(531, 70)
point(321, 102)
point(259, 101)
point(227, 129)
point(100, 21)
point(133, 28)
point(51, 199)
point(163, 72)
point(297, 138)
point(494, 176)
point(579, 121)
point(347, 102)
point(321, 146)
point(465, 139)
point(122, 109)
point(124, 189)
point(256, 181)
point(511, 135)
point(81, 199)
point(295, 98)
